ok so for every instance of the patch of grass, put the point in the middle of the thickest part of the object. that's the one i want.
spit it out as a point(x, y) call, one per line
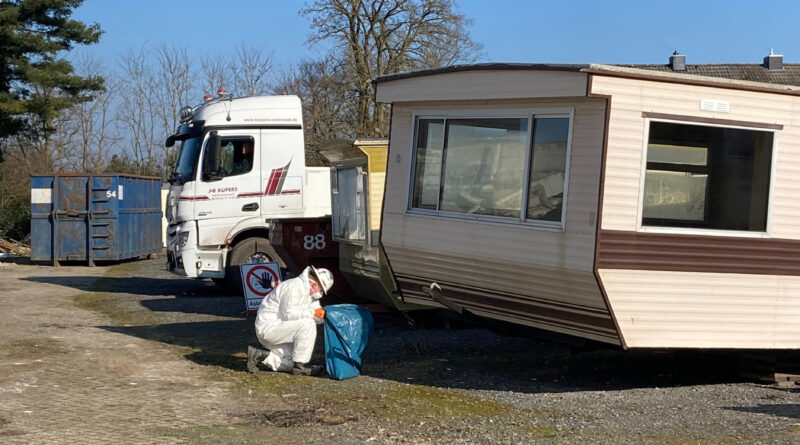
point(107, 300)
point(539, 431)
point(683, 438)
point(274, 383)
point(398, 401)
point(215, 434)
point(395, 401)
point(385, 399)
point(107, 304)
point(123, 269)
point(32, 348)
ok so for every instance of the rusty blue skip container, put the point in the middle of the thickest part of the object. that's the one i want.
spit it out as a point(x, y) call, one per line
point(94, 217)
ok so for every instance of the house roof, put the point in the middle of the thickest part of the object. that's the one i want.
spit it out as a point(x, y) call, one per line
point(789, 75)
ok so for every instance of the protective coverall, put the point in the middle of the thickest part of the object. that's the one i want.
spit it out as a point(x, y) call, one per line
point(286, 325)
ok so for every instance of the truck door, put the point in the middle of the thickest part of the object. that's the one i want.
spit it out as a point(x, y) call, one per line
point(283, 180)
point(228, 186)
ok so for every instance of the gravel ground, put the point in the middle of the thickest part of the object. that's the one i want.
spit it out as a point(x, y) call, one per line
point(601, 396)
point(422, 384)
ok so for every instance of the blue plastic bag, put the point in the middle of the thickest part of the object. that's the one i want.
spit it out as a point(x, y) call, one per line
point(347, 331)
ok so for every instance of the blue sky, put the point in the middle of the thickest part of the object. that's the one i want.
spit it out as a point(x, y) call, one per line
point(565, 31)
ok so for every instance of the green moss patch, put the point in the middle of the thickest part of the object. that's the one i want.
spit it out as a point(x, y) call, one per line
point(215, 434)
point(108, 304)
point(398, 401)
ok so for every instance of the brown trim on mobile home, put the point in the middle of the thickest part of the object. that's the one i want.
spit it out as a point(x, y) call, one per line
point(573, 318)
point(696, 253)
point(707, 120)
point(599, 217)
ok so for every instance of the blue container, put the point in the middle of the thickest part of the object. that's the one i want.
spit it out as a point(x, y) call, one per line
point(347, 331)
point(87, 217)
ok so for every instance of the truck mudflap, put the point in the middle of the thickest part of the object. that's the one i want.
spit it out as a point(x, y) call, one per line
point(305, 242)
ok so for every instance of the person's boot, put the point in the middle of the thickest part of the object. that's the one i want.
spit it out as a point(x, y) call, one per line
point(254, 357)
point(306, 369)
point(301, 369)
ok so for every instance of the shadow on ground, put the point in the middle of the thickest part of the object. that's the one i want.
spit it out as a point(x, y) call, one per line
point(788, 410)
point(213, 342)
point(463, 358)
point(21, 260)
point(177, 287)
point(467, 358)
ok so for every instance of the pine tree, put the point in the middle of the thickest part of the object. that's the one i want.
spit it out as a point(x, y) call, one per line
point(36, 82)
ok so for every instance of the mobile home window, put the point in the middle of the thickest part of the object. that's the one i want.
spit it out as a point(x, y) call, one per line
point(548, 168)
point(428, 165)
point(707, 177)
point(483, 167)
point(349, 204)
point(509, 167)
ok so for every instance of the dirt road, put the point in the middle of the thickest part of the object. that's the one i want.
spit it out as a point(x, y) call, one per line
point(66, 378)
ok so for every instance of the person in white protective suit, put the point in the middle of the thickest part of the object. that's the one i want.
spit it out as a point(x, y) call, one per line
point(287, 321)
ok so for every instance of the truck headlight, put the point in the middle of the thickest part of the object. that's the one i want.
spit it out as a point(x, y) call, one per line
point(183, 238)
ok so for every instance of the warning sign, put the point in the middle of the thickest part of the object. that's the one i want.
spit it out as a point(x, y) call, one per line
point(258, 280)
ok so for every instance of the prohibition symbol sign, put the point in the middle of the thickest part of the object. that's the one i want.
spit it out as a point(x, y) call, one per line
point(261, 279)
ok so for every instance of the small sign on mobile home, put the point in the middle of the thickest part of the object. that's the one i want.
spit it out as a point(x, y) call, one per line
point(258, 280)
point(720, 106)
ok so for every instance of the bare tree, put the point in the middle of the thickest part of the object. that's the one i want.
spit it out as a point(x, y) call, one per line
point(216, 74)
point(387, 36)
point(175, 79)
point(61, 143)
point(137, 112)
point(324, 89)
point(249, 68)
point(87, 129)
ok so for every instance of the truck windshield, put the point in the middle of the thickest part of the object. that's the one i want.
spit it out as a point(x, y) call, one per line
point(187, 160)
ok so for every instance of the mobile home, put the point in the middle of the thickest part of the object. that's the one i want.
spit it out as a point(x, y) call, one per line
point(642, 205)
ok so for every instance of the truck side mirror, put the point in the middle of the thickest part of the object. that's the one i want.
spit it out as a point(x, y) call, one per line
point(211, 157)
point(170, 141)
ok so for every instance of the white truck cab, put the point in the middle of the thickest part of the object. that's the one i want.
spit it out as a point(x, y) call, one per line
point(240, 170)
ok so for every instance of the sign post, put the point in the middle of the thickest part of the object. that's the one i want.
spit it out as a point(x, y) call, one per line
point(258, 280)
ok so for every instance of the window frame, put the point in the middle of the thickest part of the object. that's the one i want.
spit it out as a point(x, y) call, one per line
point(231, 138)
point(508, 113)
point(640, 227)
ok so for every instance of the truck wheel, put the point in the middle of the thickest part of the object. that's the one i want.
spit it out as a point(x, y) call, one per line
point(243, 253)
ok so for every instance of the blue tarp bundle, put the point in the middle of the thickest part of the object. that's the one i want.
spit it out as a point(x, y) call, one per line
point(347, 331)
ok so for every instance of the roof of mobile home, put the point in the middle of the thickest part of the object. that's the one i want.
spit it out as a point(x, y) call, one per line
point(785, 80)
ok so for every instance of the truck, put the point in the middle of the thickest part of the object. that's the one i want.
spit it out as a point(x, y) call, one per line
point(241, 191)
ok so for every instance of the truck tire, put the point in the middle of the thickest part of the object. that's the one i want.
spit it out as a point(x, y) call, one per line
point(242, 253)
